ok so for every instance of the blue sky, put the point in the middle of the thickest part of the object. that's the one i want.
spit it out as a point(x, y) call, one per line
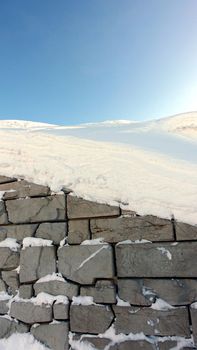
point(74, 61)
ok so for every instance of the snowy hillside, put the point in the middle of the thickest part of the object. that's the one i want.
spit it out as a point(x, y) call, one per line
point(149, 167)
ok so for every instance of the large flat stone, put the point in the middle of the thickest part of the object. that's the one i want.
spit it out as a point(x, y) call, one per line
point(80, 208)
point(3, 214)
point(8, 327)
point(171, 344)
point(78, 231)
point(56, 287)
point(134, 345)
point(36, 262)
point(173, 322)
point(22, 189)
point(4, 179)
point(85, 263)
point(26, 291)
point(185, 232)
point(54, 335)
point(193, 312)
point(144, 291)
point(9, 259)
point(156, 260)
point(103, 292)
point(55, 231)
point(30, 313)
point(90, 318)
point(19, 232)
point(31, 210)
point(133, 228)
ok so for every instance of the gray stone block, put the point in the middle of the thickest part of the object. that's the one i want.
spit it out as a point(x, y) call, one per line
point(31, 210)
point(144, 291)
point(85, 263)
point(4, 179)
point(12, 280)
point(56, 287)
point(3, 214)
point(156, 260)
point(185, 232)
point(36, 262)
point(131, 290)
point(3, 233)
point(90, 318)
point(26, 291)
point(149, 227)
point(134, 345)
point(193, 313)
point(2, 286)
point(22, 189)
point(94, 341)
point(80, 208)
point(9, 260)
point(172, 322)
point(54, 335)
point(60, 311)
point(19, 232)
point(103, 292)
point(4, 307)
point(78, 231)
point(30, 313)
point(170, 345)
point(8, 327)
point(55, 231)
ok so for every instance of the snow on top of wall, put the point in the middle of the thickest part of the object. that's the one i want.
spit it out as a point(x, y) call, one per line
point(149, 167)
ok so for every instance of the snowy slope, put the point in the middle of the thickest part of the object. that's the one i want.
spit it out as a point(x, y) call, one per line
point(150, 167)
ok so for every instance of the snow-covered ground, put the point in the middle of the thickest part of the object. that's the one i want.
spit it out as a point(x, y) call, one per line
point(149, 167)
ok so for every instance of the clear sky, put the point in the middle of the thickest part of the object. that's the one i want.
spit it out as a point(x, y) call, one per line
point(74, 61)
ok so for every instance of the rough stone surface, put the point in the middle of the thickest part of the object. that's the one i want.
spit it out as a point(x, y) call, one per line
point(78, 231)
point(9, 260)
point(103, 292)
point(30, 210)
point(36, 262)
point(22, 189)
point(2, 286)
point(26, 291)
point(170, 345)
point(185, 231)
point(194, 323)
point(57, 288)
point(12, 280)
point(60, 311)
point(80, 208)
point(19, 232)
point(156, 260)
point(95, 342)
point(85, 263)
point(133, 228)
point(152, 322)
point(8, 327)
point(4, 179)
point(143, 291)
point(3, 214)
point(134, 345)
point(30, 313)
point(55, 231)
point(3, 233)
point(54, 336)
point(90, 318)
point(4, 307)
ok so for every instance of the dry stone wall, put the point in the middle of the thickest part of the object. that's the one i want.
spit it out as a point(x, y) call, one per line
point(77, 272)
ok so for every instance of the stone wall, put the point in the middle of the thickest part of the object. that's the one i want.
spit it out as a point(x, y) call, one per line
point(65, 285)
